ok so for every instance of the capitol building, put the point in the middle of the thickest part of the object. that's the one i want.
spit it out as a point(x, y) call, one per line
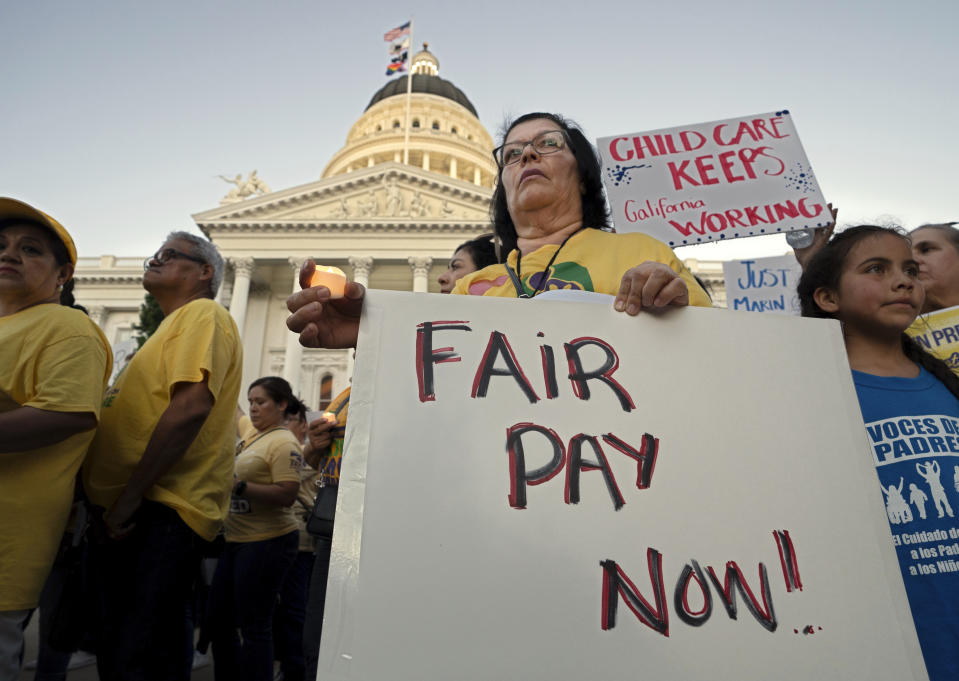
point(388, 209)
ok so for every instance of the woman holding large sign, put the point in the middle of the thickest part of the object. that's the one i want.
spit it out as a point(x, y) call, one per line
point(550, 215)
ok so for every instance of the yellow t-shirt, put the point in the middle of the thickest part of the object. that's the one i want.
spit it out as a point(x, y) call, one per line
point(53, 358)
point(196, 341)
point(592, 260)
point(266, 458)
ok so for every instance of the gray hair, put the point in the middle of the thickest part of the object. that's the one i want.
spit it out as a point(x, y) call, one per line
point(207, 252)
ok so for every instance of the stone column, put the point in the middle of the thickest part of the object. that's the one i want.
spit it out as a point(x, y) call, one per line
point(477, 177)
point(98, 313)
point(362, 266)
point(242, 272)
point(421, 273)
point(453, 168)
point(294, 351)
point(426, 160)
point(226, 291)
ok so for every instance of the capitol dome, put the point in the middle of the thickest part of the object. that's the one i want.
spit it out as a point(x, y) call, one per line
point(445, 137)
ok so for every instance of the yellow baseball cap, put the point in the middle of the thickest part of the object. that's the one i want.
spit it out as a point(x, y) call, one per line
point(12, 208)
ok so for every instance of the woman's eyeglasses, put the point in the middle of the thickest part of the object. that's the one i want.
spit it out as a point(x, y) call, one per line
point(547, 142)
point(165, 255)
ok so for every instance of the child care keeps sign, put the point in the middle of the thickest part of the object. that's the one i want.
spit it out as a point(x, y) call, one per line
point(725, 179)
point(553, 490)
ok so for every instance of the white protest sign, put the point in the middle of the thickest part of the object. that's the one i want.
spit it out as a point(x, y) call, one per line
point(122, 354)
point(720, 180)
point(763, 284)
point(667, 512)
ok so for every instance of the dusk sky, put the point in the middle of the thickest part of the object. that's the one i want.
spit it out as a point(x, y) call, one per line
point(119, 116)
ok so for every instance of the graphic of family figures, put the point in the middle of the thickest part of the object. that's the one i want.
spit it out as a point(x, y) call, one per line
point(899, 510)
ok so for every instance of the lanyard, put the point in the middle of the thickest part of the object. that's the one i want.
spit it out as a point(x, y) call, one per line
point(515, 275)
point(244, 445)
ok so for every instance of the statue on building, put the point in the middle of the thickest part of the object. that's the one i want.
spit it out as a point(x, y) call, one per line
point(419, 207)
point(394, 202)
point(447, 209)
point(342, 210)
point(368, 205)
point(244, 189)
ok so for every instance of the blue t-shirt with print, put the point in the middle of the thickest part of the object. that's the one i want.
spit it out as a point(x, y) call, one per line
point(913, 426)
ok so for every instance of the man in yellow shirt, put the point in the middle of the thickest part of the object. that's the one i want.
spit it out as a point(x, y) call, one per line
point(161, 465)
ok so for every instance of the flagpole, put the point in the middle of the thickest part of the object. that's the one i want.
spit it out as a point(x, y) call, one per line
point(409, 97)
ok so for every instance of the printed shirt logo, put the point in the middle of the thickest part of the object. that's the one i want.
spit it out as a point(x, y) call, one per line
point(917, 460)
point(296, 460)
point(896, 439)
point(564, 275)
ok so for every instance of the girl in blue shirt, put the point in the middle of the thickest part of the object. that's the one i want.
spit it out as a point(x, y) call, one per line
point(867, 278)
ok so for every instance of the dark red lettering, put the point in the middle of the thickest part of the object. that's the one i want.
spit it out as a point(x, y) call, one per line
point(549, 371)
point(614, 149)
point(688, 228)
point(519, 478)
point(726, 164)
point(809, 212)
point(499, 346)
point(426, 356)
point(765, 615)
point(787, 209)
point(703, 166)
point(678, 174)
point(788, 560)
point(753, 216)
point(579, 377)
point(575, 464)
point(735, 216)
point(694, 618)
point(645, 457)
point(616, 583)
point(685, 139)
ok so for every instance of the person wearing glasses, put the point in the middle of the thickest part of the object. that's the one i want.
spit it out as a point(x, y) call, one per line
point(550, 216)
point(549, 213)
point(54, 366)
point(161, 465)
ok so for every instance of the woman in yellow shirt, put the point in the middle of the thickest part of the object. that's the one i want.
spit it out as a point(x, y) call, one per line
point(261, 537)
point(54, 366)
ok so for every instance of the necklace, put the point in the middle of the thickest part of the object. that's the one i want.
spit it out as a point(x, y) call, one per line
point(515, 275)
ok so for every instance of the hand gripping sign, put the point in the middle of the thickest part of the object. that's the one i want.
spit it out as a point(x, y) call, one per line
point(727, 179)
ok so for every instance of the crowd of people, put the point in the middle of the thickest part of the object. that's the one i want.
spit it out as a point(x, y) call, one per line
point(170, 476)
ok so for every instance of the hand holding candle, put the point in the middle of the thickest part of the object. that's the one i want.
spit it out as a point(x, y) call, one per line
point(332, 278)
point(323, 317)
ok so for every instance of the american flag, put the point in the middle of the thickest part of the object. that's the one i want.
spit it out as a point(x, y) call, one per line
point(395, 33)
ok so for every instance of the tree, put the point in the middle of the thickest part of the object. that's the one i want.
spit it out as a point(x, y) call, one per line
point(150, 317)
